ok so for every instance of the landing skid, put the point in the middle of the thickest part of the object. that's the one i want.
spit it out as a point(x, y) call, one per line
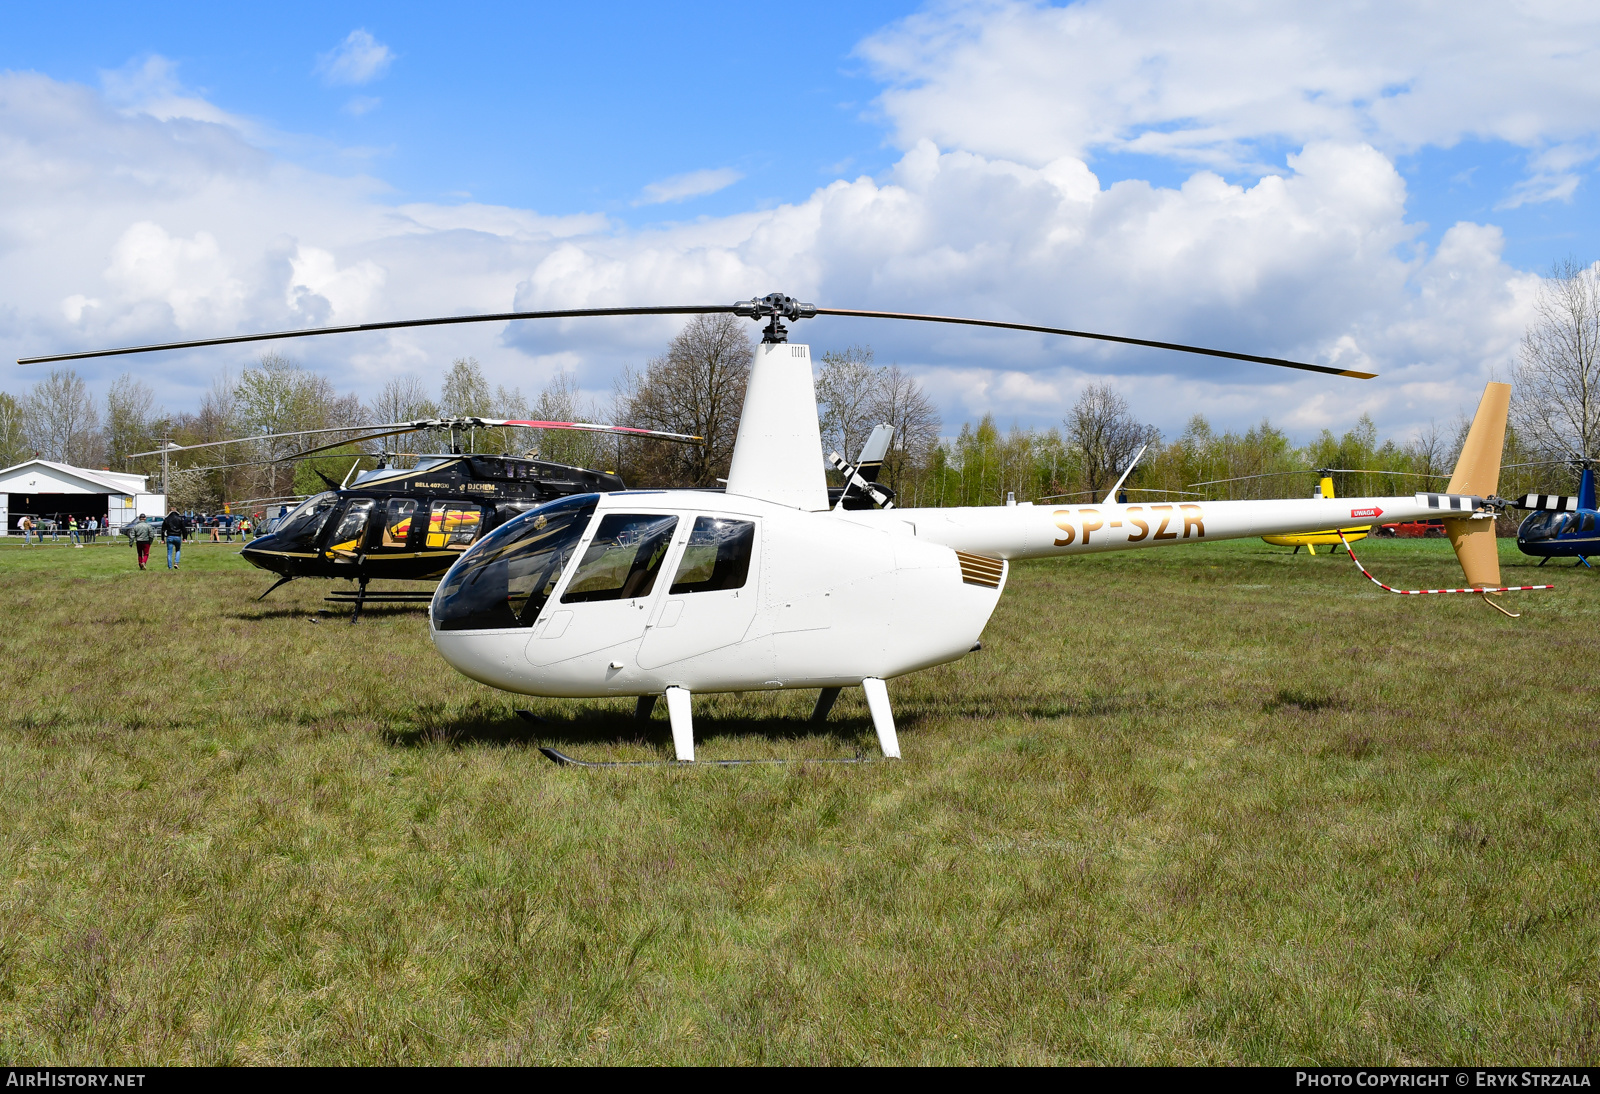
point(359, 598)
point(556, 756)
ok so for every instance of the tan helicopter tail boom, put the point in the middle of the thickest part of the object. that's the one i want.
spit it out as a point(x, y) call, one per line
point(1478, 472)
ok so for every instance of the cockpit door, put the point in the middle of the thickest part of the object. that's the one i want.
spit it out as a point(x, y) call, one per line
point(347, 540)
point(606, 601)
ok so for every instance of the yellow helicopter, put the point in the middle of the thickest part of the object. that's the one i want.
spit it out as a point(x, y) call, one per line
point(1331, 537)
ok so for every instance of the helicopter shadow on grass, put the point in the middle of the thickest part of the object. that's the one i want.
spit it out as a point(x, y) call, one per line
point(337, 614)
point(589, 727)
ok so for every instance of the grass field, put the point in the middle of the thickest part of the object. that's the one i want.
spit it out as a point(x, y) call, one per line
point(1210, 804)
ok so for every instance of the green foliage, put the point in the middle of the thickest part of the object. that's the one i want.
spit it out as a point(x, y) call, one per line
point(465, 393)
point(14, 447)
point(1255, 811)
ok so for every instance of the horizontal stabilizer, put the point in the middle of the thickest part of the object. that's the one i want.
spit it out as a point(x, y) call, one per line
point(1555, 503)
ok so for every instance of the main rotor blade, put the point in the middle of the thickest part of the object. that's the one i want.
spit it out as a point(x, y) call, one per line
point(500, 423)
point(591, 427)
point(392, 429)
point(1319, 470)
point(1181, 348)
point(397, 324)
point(257, 437)
point(690, 309)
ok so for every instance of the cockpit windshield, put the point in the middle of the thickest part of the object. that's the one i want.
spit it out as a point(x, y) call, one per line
point(1544, 525)
point(300, 528)
point(504, 580)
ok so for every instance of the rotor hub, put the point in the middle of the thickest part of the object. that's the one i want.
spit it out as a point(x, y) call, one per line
point(774, 307)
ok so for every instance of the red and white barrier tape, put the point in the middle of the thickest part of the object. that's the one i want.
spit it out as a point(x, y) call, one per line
point(1427, 592)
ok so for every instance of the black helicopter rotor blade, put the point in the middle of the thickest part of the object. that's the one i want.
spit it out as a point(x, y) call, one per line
point(1064, 332)
point(1323, 471)
point(361, 434)
point(395, 324)
point(331, 445)
point(176, 448)
point(500, 423)
point(757, 309)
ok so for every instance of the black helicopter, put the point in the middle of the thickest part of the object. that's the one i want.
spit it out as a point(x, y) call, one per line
point(409, 524)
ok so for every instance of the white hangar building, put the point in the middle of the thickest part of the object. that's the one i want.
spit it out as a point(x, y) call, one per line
point(43, 488)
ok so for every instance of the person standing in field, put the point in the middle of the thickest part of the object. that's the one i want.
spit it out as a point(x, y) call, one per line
point(139, 535)
point(72, 532)
point(25, 525)
point(172, 530)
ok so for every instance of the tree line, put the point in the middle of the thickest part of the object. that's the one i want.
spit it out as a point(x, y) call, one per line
point(697, 385)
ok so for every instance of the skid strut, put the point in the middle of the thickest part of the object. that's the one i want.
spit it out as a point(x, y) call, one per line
point(678, 710)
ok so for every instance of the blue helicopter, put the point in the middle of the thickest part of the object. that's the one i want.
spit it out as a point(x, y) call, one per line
point(1562, 526)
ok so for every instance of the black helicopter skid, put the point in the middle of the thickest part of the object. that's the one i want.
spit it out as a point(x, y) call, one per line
point(556, 756)
point(359, 598)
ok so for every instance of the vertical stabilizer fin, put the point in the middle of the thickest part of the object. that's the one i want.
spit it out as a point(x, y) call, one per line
point(777, 456)
point(1111, 495)
point(1478, 472)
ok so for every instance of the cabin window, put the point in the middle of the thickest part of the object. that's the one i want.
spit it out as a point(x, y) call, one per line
point(623, 558)
point(453, 525)
point(352, 526)
point(506, 579)
point(397, 521)
point(717, 557)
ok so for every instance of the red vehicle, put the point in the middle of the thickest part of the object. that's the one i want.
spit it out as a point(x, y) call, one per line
point(1413, 529)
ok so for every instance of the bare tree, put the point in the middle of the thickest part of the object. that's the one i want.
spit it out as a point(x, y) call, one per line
point(898, 399)
point(1104, 429)
point(1426, 450)
point(847, 388)
point(696, 387)
point(509, 403)
point(1557, 394)
point(403, 398)
point(130, 413)
point(562, 401)
point(61, 422)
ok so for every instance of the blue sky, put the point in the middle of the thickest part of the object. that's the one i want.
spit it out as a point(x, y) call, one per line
point(1369, 185)
point(557, 107)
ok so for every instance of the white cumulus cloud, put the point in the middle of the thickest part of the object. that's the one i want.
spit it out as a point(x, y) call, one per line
point(1222, 84)
point(125, 225)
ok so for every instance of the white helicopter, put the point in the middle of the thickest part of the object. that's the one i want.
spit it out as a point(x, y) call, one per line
point(766, 586)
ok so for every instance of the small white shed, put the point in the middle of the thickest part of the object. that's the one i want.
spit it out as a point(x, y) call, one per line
point(44, 488)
